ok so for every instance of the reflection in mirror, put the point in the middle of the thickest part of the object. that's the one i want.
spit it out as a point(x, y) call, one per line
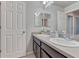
point(77, 25)
point(41, 20)
point(73, 23)
point(70, 25)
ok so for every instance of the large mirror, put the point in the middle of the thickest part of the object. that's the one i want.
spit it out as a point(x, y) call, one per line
point(42, 18)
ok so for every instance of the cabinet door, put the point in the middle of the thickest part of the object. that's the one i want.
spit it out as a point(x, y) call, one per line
point(43, 54)
point(36, 40)
point(52, 51)
point(36, 49)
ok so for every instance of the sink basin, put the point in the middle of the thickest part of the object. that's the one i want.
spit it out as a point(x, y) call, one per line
point(43, 35)
point(64, 42)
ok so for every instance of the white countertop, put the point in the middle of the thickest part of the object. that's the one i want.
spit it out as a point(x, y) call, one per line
point(71, 52)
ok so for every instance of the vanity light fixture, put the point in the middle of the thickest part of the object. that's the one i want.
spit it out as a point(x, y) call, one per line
point(44, 2)
point(47, 3)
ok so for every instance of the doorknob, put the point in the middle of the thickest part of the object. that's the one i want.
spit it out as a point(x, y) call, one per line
point(0, 51)
point(23, 32)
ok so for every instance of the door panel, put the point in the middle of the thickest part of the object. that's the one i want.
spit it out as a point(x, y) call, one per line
point(14, 29)
point(19, 21)
point(9, 20)
point(8, 29)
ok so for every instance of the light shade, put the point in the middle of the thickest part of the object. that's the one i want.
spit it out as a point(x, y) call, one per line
point(49, 3)
point(44, 2)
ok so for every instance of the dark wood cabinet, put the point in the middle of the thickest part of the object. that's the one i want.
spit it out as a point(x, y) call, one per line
point(51, 51)
point(43, 54)
point(36, 49)
point(42, 50)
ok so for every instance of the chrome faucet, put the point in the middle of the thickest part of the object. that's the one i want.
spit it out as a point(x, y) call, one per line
point(54, 34)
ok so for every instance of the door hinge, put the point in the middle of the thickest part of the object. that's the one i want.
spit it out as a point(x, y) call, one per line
point(0, 51)
point(0, 27)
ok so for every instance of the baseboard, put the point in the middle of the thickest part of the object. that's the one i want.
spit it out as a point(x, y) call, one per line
point(29, 53)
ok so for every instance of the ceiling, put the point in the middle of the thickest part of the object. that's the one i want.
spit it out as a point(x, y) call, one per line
point(64, 3)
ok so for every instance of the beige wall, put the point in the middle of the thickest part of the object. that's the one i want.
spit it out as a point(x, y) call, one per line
point(31, 6)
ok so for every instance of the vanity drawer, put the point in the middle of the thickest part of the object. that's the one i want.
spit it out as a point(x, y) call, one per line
point(36, 40)
point(52, 52)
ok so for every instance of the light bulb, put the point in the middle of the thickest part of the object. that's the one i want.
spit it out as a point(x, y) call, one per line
point(44, 2)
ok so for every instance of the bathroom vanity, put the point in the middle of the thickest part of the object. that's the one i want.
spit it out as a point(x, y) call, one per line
point(44, 48)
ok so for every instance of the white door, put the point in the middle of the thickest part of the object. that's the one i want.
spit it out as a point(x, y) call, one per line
point(13, 29)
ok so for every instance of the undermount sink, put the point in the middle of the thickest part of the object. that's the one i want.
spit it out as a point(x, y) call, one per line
point(64, 42)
